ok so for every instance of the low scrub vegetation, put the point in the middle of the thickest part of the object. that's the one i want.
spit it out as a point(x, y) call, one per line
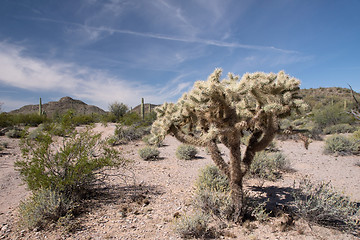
point(44, 207)
point(267, 165)
point(149, 153)
point(192, 226)
point(14, 133)
point(320, 203)
point(186, 152)
point(341, 145)
point(213, 197)
point(340, 128)
point(125, 134)
point(61, 172)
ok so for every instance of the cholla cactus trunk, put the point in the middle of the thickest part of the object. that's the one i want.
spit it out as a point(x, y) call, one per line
point(222, 111)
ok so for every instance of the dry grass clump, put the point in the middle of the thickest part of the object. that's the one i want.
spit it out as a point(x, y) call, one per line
point(149, 153)
point(45, 206)
point(126, 134)
point(186, 152)
point(267, 165)
point(192, 226)
point(213, 197)
point(320, 203)
point(341, 145)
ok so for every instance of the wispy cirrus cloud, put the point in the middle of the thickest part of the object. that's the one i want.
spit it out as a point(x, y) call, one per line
point(96, 86)
point(196, 40)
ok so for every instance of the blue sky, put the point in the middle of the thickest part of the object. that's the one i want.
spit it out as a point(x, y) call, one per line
point(101, 51)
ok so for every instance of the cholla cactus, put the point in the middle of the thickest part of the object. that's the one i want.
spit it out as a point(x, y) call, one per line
point(222, 110)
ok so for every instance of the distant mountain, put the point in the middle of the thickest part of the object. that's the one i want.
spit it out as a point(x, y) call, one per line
point(60, 107)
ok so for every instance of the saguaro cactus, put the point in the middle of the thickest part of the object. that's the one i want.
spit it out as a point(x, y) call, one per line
point(40, 108)
point(142, 109)
point(223, 111)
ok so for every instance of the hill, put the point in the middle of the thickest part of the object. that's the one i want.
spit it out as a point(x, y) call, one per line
point(317, 97)
point(60, 107)
point(148, 107)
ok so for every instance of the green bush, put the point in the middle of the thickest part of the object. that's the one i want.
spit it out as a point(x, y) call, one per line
point(6, 120)
point(71, 168)
point(186, 152)
point(320, 203)
point(268, 165)
point(194, 226)
point(332, 115)
point(341, 145)
point(339, 128)
point(149, 153)
point(85, 119)
point(45, 206)
point(118, 110)
point(130, 118)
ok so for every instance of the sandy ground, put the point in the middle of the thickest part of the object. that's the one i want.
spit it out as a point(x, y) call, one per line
point(144, 208)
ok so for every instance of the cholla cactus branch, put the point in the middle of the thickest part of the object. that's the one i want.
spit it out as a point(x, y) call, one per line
point(223, 110)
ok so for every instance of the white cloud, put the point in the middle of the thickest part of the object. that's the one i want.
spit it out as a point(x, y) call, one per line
point(95, 86)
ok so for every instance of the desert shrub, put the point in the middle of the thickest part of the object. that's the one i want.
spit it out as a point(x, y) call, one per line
point(212, 196)
point(85, 119)
point(6, 120)
point(134, 119)
point(339, 128)
point(14, 133)
point(130, 118)
point(356, 135)
point(340, 144)
point(149, 153)
point(45, 206)
point(300, 122)
point(64, 124)
point(215, 203)
point(320, 203)
point(186, 152)
point(32, 119)
point(268, 165)
point(193, 226)
point(118, 110)
point(211, 178)
point(125, 134)
point(285, 123)
point(71, 167)
point(331, 115)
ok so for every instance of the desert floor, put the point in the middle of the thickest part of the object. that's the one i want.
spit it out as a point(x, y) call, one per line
point(144, 206)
